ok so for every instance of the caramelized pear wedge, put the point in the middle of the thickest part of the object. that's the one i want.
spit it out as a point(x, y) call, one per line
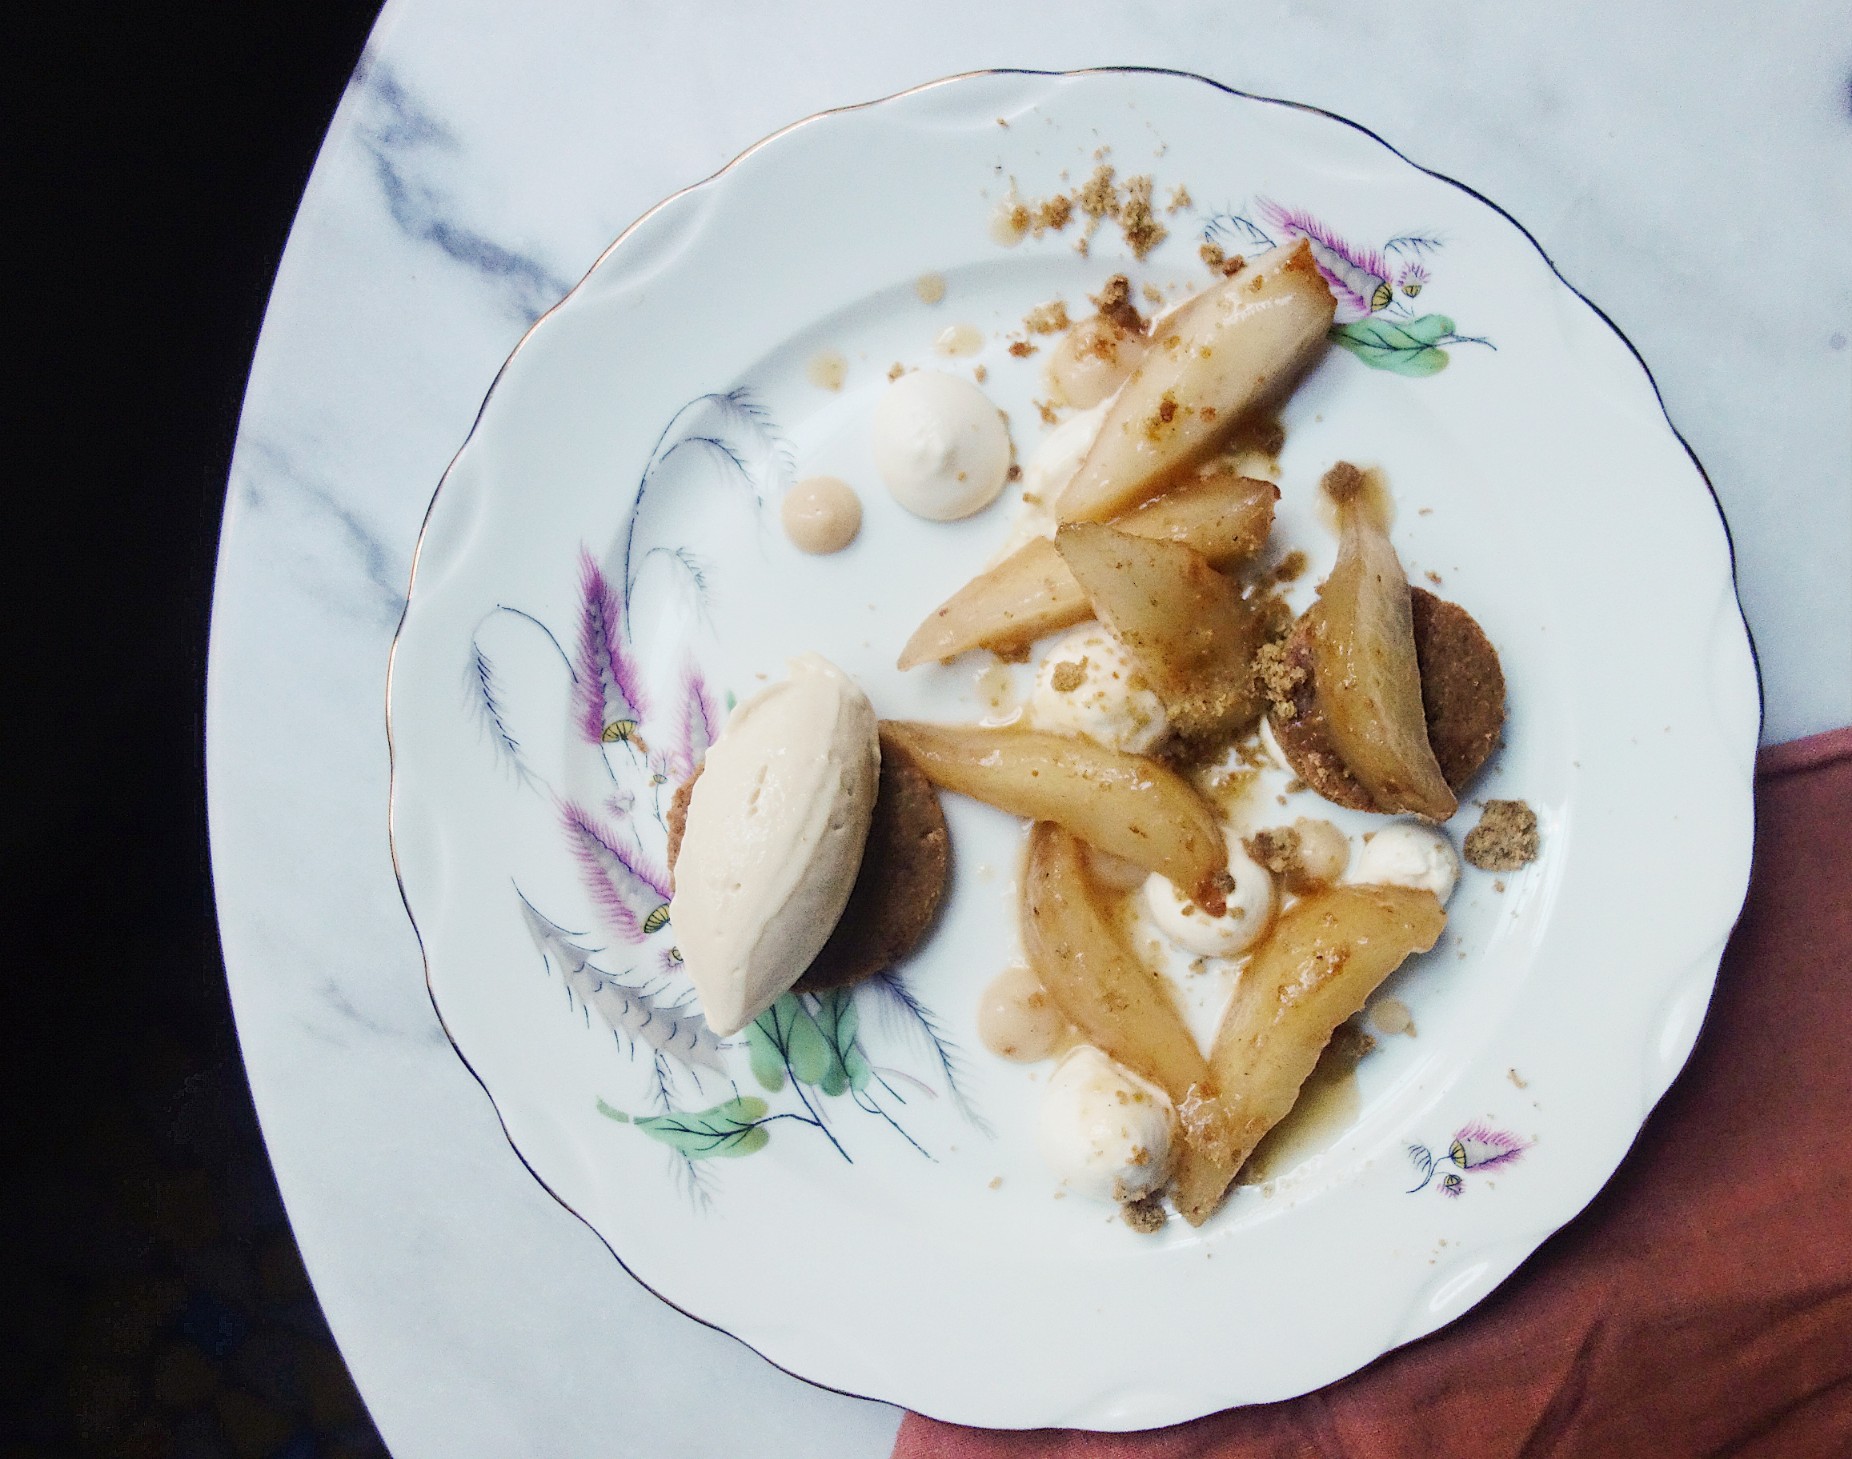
point(1089, 970)
point(1031, 593)
point(1325, 956)
point(1234, 347)
point(1127, 805)
point(1363, 652)
point(1185, 625)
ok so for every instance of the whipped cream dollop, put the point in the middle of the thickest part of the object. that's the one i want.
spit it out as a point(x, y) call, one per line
point(940, 445)
point(1105, 1132)
point(1249, 913)
point(774, 838)
point(1409, 854)
point(1088, 685)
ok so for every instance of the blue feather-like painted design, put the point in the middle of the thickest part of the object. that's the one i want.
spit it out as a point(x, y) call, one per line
point(1233, 233)
point(737, 433)
point(902, 1007)
point(485, 696)
point(637, 1015)
point(498, 704)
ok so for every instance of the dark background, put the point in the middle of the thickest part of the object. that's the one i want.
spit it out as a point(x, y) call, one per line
point(155, 156)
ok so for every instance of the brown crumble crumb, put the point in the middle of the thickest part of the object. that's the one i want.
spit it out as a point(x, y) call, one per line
point(1053, 214)
point(980, 374)
point(1433, 577)
point(1068, 676)
point(1115, 306)
point(1505, 838)
point(1211, 254)
point(1279, 676)
point(1517, 1079)
point(1294, 786)
point(1153, 295)
point(1099, 196)
point(1425, 512)
point(1016, 654)
point(1144, 1215)
point(1049, 318)
point(1276, 849)
point(996, 1182)
point(896, 370)
point(1142, 230)
point(1002, 123)
point(1021, 348)
point(1498, 884)
point(1048, 412)
point(1179, 199)
point(1014, 473)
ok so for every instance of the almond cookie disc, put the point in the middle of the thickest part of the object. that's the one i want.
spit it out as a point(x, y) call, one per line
point(1462, 697)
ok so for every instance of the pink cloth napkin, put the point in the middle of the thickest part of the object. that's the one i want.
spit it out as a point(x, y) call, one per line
point(1702, 1305)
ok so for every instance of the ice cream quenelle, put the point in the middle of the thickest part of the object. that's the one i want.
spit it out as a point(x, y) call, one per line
point(1104, 1132)
point(774, 837)
point(1409, 854)
point(940, 445)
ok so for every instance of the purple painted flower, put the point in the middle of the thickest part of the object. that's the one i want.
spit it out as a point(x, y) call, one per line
point(1358, 276)
point(632, 895)
point(1479, 1147)
point(607, 698)
point(700, 723)
point(1412, 279)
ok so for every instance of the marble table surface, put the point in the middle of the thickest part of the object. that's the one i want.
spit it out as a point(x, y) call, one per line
point(1687, 166)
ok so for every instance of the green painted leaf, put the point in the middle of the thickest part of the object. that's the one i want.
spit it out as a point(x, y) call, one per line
point(1404, 347)
point(838, 1021)
point(792, 1040)
point(765, 1052)
point(812, 1058)
point(725, 1131)
point(613, 1114)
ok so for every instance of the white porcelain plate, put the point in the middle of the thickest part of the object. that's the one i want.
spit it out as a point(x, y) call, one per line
point(855, 1191)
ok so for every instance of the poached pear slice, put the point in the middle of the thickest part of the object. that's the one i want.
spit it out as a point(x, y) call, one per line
point(1326, 954)
point(1129, 806)
point(1031, 593)
point(1234, 346)
point(1363, 651)
point(1185, 625)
